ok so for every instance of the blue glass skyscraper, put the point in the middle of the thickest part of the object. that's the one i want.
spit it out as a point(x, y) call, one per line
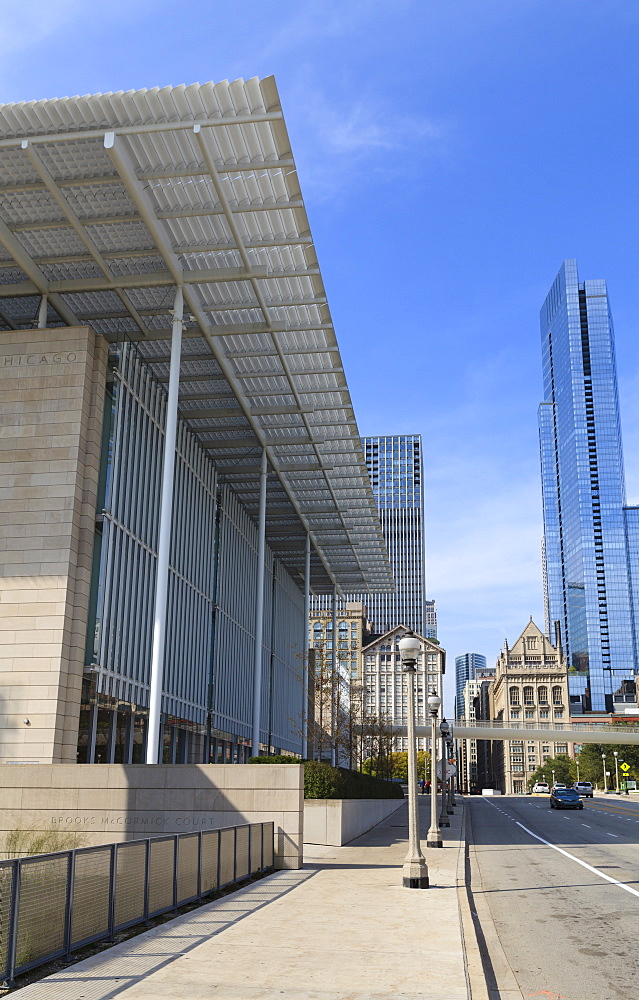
point(590, 535)
point(467, 667)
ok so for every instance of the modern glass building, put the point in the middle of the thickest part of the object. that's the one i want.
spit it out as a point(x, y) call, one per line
point(467, 667)
point(396, 473)
point(590, 535)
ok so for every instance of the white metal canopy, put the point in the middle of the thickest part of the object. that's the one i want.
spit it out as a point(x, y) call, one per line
point(107, 202)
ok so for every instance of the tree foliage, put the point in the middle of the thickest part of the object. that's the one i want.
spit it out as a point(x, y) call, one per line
point(564, 767)
point(395, 766)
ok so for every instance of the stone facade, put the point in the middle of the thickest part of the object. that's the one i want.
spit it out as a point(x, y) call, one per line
point(385, 682)
point(51, 407)
point(108, 803)
point(530, 689)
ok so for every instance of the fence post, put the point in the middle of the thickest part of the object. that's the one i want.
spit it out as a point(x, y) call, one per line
point(176, 837)
point(250, 853)
point(147, 878)
point(261, 846)
point(234, 853)
point(199, 864)
point(13, 922)
point(219, 858)
point(113, 867)
point(68, 911)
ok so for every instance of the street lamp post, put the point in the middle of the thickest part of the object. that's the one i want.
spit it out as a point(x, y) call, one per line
point(451, 787)
point(553, 776)
point(603, 757)
point(434, 838)
point(444, 730)
point(415, 871)
point(577, 763)
point(616, 755)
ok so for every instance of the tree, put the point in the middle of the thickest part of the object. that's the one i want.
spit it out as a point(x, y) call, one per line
point(396, 766)
point(591, 763)
point(564, 767)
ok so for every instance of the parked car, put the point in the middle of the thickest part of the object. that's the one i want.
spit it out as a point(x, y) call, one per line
point(541, 787)
point(565, 798)
point(558, 784)
point(584, 788)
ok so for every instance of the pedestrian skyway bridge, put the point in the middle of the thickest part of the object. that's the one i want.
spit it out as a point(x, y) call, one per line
point(571, 732)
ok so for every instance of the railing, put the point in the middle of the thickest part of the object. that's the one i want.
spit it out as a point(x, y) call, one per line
point(546, 724)
point(53, 904)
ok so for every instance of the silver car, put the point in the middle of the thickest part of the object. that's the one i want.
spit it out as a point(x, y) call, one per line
point(584, 788)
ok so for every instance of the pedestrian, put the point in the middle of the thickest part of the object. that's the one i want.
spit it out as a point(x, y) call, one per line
point(422, 785)
point(428, 787)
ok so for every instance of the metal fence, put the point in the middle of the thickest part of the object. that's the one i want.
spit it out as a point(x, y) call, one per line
point(53, 904)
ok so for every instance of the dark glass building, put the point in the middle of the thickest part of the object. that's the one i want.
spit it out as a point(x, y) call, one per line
point(467, 667)
point(395, 468)
point(590, 535)
point(396, 472)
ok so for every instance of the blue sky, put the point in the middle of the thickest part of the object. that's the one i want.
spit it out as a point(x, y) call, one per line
point(451, 154)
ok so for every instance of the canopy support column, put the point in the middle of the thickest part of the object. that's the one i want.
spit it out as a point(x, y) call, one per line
point(164, 540)
point(42, 313)
point(259, 607)
point(334, 680)
point(306, 646)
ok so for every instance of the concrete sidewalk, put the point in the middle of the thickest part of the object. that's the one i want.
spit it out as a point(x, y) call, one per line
point(342, 928)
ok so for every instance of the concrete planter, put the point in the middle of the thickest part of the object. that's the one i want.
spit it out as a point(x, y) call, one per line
point(334, 822)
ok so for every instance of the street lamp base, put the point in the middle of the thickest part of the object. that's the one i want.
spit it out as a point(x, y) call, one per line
point(444, 821)
point(415, 873)
point(435, 842)
point(421, 882)
point(450, 812)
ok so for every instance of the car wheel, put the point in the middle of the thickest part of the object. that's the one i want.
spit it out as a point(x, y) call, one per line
point(581, 806)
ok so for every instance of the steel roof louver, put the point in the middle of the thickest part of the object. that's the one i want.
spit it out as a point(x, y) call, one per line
point(108, 200)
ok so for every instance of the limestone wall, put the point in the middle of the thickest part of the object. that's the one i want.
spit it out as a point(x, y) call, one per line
point(338, 821)
point(51, 403)
point(104, 803)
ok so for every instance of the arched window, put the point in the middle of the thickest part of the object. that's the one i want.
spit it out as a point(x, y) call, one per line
point(514, 696)
point(343, 626)
point(529, 696)
point(557, 698)
point(543, 695)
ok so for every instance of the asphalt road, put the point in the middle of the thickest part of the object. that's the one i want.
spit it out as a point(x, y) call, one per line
point(566, 923)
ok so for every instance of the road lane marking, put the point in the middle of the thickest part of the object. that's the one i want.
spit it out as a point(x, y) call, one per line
point(611, 834)
point(585, 824)
point(595, 871)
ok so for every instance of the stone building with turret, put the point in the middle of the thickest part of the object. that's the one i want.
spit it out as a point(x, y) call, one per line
point(530, 691)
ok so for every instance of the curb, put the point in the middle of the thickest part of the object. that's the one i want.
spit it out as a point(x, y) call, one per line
point(473, 962)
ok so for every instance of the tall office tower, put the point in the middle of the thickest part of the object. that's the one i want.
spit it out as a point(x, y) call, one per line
point(395, 468)
point(430, 631)
point(467, 667)
point(591, 538)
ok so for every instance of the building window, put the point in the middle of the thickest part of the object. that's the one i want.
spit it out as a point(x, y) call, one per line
point(543, 695)
point(514, 696)
point(530, 713)
point(529, 696)
point(543, 714)
point(514, 715)
point(557, 698)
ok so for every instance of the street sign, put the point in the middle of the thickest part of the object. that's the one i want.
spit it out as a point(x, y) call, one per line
point(624, 766)
point(451, 770)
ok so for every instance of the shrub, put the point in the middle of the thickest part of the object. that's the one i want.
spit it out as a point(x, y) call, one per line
point(322, 781)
